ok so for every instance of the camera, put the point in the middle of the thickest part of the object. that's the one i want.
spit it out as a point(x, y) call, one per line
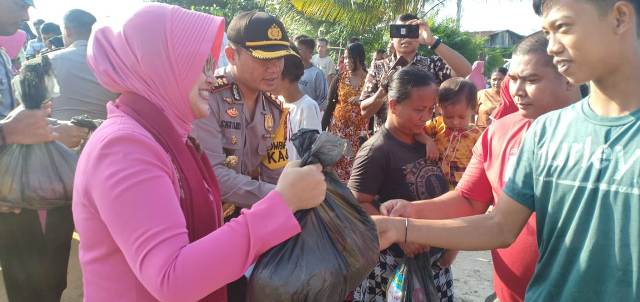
point(407, 31)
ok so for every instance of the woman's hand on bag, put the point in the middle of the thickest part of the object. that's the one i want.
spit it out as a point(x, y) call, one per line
point(447, 259)
point(413, 249)
point(302, 187)
point(71, 135)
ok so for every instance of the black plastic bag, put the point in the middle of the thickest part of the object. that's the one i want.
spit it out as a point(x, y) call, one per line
point(338, 246)
point(36, 176)
point(413, 281)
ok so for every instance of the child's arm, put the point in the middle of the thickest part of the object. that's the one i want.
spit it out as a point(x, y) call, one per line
point(432, 148)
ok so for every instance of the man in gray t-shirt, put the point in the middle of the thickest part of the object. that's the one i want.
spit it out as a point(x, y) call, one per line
point(313, 83)
point(80, 92)
point(6, 99)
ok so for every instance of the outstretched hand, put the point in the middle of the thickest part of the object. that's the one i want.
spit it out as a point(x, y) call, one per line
point(397, 208)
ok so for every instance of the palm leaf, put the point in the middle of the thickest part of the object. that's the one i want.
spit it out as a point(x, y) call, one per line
point(358, 15)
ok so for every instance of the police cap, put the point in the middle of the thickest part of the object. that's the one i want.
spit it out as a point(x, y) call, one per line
point(261, 34)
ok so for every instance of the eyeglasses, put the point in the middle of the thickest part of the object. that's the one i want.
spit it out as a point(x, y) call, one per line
point(209, 68)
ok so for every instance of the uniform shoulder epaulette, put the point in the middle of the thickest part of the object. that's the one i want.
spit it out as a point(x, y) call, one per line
point(221, 81)
point(273, 99)
point(52, 52)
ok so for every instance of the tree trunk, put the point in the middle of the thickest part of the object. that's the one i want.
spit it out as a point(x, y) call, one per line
point(458, 13)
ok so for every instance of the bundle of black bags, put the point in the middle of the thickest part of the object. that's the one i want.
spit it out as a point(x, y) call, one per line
point(38, 176)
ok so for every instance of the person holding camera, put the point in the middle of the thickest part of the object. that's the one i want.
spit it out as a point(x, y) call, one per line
point(407, 34)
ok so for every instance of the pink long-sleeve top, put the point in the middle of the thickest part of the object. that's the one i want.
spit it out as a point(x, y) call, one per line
point(134, 244)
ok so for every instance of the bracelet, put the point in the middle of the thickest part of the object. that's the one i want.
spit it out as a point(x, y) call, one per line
point(435, 44)
point(406, 229)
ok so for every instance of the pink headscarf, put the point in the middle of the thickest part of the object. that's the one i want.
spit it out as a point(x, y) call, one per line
point(154, 59)
point(14, 43)
point(159, 54)
point(477, 75)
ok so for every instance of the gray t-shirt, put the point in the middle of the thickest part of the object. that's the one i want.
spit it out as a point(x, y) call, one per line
point(80, 92)
point(7, 101)
point(314, 84)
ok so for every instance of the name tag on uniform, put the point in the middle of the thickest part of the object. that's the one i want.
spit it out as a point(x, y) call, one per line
point(230, 125)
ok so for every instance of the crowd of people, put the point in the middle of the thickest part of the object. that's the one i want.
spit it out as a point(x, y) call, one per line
point(192, 174)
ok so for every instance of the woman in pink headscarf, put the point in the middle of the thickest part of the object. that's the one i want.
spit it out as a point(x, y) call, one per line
point(146, 202)
point(477, 75)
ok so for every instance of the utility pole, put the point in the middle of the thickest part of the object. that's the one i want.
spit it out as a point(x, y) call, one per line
point(458, 14)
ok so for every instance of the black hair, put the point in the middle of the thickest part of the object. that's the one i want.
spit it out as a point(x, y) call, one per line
point(501, 70)
point(406, 17)
point(357, 54)
point(323, 40)
point(354, 40)
point(456, 90)
point(307, 42)
point(56, 42)
point(535, 43)
point(381, 51)
point(407, 78)
point(37, 23)
point(33, 87)
point(25, 27)
point(50, 28)
point(585, 90)
point(539, 6)
point(79, 20)
point(300, 37)
point(293, 67)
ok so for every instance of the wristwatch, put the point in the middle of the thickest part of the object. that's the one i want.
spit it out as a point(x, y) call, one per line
point(436, 43)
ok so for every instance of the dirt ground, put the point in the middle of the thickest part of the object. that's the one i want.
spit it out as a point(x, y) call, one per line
point(472, 272)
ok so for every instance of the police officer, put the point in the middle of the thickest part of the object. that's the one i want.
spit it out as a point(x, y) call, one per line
point(243, 136)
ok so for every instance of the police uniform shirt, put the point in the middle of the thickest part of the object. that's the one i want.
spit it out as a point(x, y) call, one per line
point(80, 92)
point(242, 151)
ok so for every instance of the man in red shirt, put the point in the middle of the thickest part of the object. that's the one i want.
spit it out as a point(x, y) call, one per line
point(537, 88)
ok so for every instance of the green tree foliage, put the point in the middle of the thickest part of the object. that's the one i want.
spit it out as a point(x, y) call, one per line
point(226, 8)
point(339, 20)
point(358, 15)
point(470, 46)
point(496, 58)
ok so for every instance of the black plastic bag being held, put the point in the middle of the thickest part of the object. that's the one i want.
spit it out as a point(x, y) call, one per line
point(36, 176)
point(338, 246)
point(412, 282)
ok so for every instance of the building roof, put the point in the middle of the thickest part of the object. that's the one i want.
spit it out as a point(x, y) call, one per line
point(489, 33)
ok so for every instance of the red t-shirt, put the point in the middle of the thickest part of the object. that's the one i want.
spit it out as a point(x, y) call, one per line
point(493, 160)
